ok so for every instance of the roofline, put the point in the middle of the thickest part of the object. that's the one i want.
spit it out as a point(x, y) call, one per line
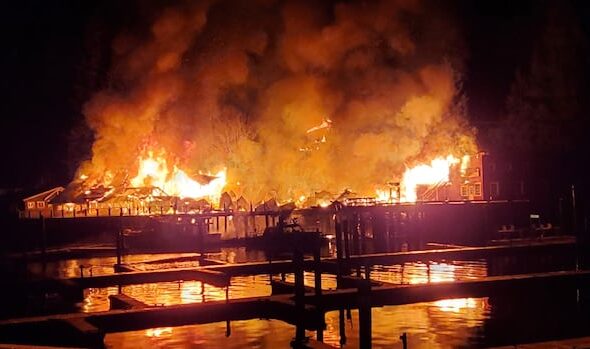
point(46, 193)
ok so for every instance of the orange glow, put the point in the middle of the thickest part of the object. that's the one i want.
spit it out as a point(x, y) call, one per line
point(324, 203)
point(456, 305)
point(434, 174)
point(418, 273)
point(386, 196)
point(465, 163)
point(154, 171)
point(157, 332)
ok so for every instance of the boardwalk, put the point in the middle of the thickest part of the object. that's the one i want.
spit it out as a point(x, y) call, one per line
point(89, 329)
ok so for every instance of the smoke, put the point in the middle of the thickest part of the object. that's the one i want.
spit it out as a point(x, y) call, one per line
point(238, 84)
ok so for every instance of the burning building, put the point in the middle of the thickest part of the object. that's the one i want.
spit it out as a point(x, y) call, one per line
point(281, 99)
point(300, 103)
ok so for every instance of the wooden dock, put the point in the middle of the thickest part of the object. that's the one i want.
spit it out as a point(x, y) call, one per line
point(88, 329)
point(220, 274)
point(305, 310)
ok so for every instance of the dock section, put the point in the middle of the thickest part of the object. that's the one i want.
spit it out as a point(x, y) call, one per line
point(85, 329)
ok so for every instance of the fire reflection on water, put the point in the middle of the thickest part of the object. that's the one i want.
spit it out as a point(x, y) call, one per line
point(169, 293)
point(456, 305)
point(158, 332)
point(442, 323)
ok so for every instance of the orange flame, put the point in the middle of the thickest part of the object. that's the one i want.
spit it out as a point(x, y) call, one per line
point(154, 171)
point(435, 173)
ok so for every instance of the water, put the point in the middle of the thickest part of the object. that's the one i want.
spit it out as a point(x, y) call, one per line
point(448, 323)
point(429, 325)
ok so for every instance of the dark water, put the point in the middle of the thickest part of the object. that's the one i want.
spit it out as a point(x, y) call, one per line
point(537, 315)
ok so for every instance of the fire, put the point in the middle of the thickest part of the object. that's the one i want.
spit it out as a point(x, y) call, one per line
point(435, 173)
point(324, 203)
point(386, 195)
point(154, 171)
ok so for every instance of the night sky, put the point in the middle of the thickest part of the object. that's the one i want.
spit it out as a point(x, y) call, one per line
point(56, 54)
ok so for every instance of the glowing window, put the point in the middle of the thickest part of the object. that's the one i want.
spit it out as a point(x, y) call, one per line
point(477, 187)
point(464, 190)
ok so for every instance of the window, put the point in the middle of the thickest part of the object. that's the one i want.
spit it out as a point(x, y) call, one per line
point(30, 204)
point(464, 190)
point(40, 204)
point(471, 190)
point(494, 189)
point(477, 187)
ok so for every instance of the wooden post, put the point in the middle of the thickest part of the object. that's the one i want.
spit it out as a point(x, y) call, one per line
point(299, 297)
point(43, 241)
point(355, 234)
point(318, 286)
point(225, 222)
point(365, 320)
point(362, 232)
point(346, 235)
point(203, 291)
point(404, 338)
point(339, 265)
point(247, 220)
point(200, 239)
point(342, 327)
point(119, 240)
point(227, 322)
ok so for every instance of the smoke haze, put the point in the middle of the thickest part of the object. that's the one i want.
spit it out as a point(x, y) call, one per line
point(292, 97)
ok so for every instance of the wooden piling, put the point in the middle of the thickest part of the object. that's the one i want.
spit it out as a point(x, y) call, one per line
point(342, 326)
point(299, 296)
point(365, 320)
point(119, 244)
point(318, 290)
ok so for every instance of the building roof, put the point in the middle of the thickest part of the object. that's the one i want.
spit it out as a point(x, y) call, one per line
point(46, 196)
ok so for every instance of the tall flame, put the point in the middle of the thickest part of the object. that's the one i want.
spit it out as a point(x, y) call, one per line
point(154, 171)
point(435, 173)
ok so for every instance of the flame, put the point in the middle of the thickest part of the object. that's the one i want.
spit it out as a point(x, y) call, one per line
point(386, 195)
point(154, 171)
point(435, 173)
point(464, 164)
point(324, 203)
